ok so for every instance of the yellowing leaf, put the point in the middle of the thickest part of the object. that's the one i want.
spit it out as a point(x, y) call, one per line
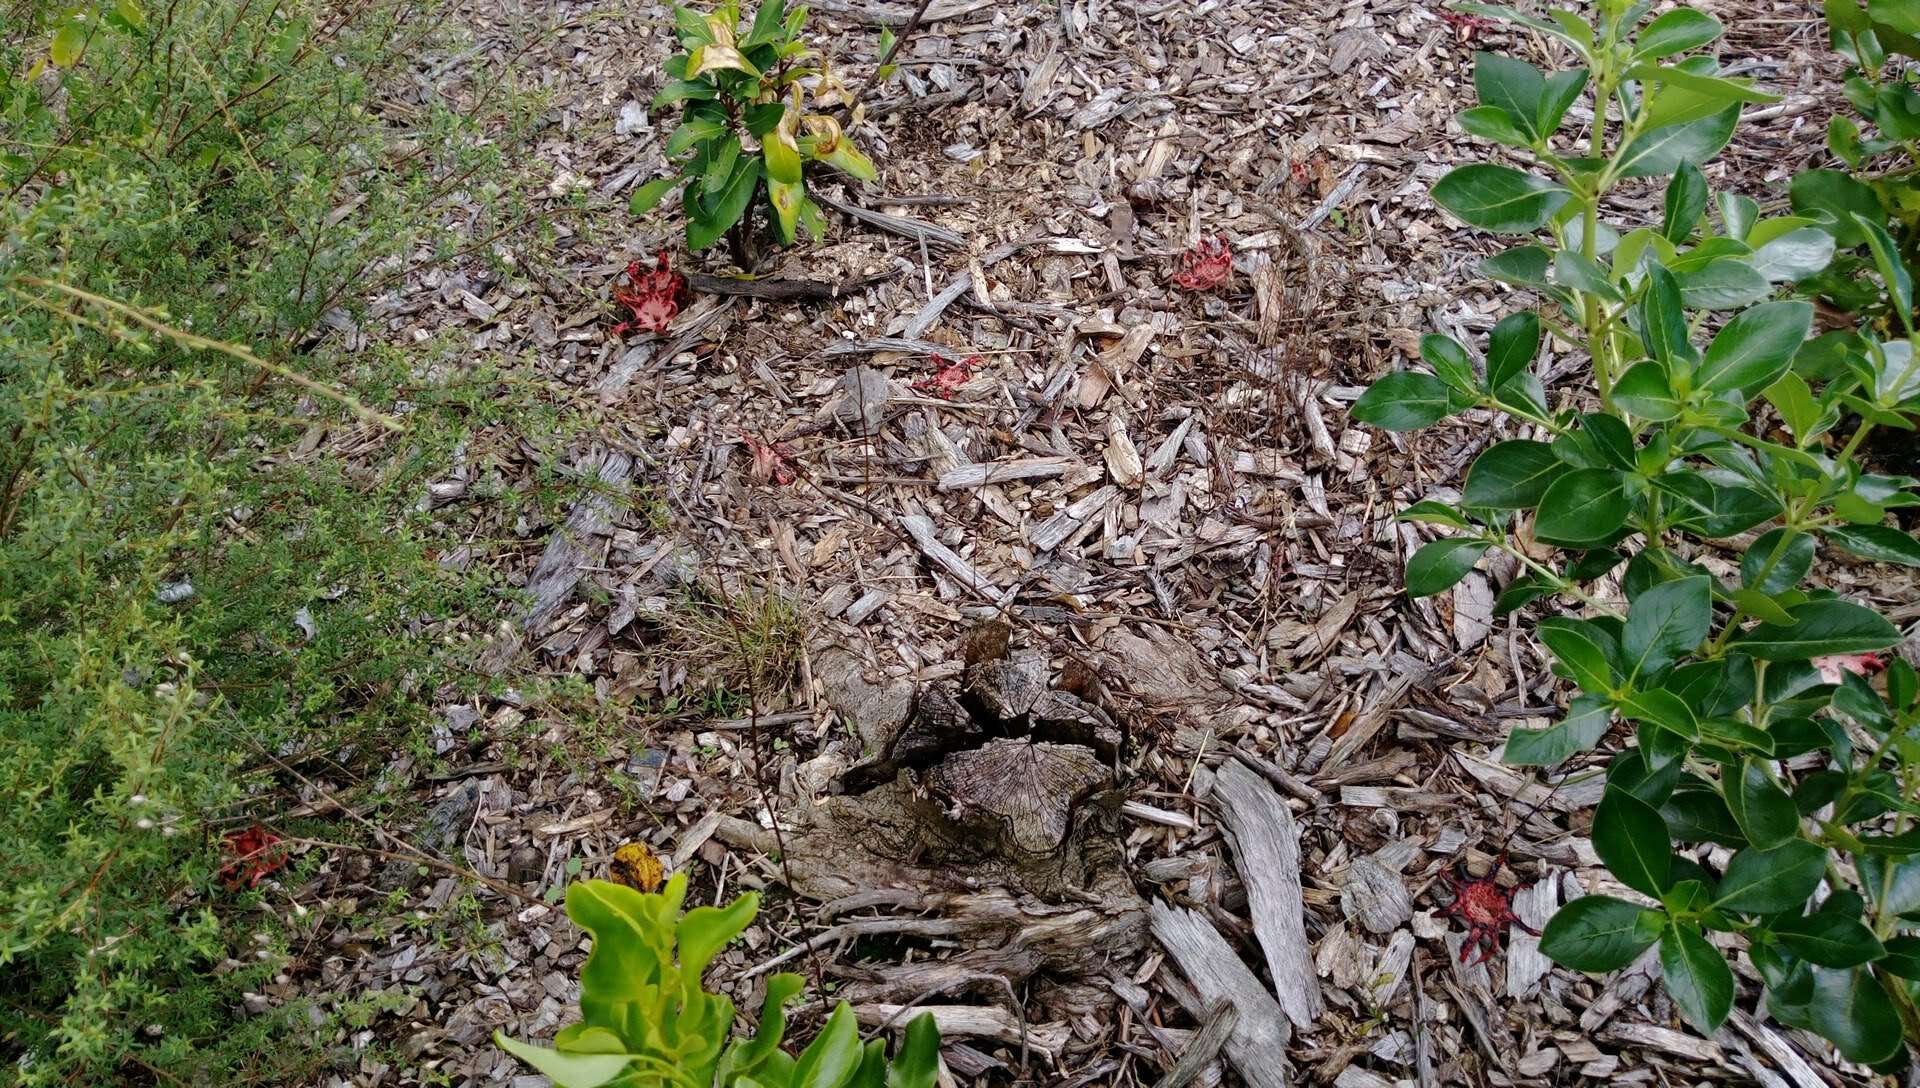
point(786, 198)
point(710, 58)
point(69, 43)
point(721, 30)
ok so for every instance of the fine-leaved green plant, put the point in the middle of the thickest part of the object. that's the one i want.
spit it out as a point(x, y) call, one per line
point(185, 191)
point(1712, 417)
point(745, 128)
point(647, 1021)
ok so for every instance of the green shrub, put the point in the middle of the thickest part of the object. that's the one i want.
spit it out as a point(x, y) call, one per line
point(744, 128)
point(1882, 159)
point(646, 1021)
point(1755, 729)
point(187, 190)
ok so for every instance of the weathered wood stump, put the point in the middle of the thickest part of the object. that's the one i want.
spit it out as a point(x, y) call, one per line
point(990, 805)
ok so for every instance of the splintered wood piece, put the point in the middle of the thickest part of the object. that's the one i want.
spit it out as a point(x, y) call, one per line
point(1064, 717)
point(967, 477)
point(1029, 788)
point(917, 229)
point(1375, 896)
point(568, 551)
point(1202, 1046)
point(920, 528)
point(1008, 688)
point(1526, 964)
point(939, 725)
point(1266, 844)
point(1257, 1045)
point(970, 1021)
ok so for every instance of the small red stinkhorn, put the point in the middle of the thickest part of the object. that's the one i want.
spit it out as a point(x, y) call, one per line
point(947, 378)
point(654, 297)
point(1206, 265)
point(256, 852)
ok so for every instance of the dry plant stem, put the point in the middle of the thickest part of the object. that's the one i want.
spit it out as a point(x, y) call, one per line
point(187, 339)
point(899, 43)
point(413, 853)
point(766, 796)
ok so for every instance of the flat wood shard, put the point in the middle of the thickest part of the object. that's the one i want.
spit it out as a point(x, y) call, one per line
point(1266, 845)
point(1257, 1046)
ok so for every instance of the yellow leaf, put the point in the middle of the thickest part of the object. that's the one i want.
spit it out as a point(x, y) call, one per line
point(69, 43)
point(710, 58)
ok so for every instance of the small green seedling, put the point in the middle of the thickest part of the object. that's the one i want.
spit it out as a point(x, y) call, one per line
point(647, 1023)
point(745, 128)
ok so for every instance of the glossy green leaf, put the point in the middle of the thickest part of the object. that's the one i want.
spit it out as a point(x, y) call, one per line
point(618, 966)
point(1450, 361)
point(1511, 348)
point(1511, 475)
point(1665, 624)
point(1522, 266)
point(1662, 150)
point(1499, 198)
point(1686, 198)
point(1834, 198)
point(1434, 513)
point(746, 1056)
point(1583, 274)
point(1794, 255)
point(1676, 31)
point(703, 931)
point(1774, 880)
point(1440, 563)
point(1405, 401)
point(1755, 348)
point(731, 203)
point(692, 132)
point(1793, 399)
point(1764, 811)
point(833, 1055)
point(1902, 957)
point(1631, 839)
point(676, 90)
point(1562, 90)
point(1737, 214)
point(566, 1069)
point(1663, 318)
point(1697, 977)
point(1512, 86)
point(1645, 392)
point(917, 1065)
point(646, 196)
point(1880, 543)
point(1893, 271)
point(1582, 508)
point(1725, 284)
point(1830, 940)
point(1849, 1007)
point(1820, 628)
point(1586, 723)
point(1598, 933)
point(1583, 651)
point(1662, 708)
point(1493, 123)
